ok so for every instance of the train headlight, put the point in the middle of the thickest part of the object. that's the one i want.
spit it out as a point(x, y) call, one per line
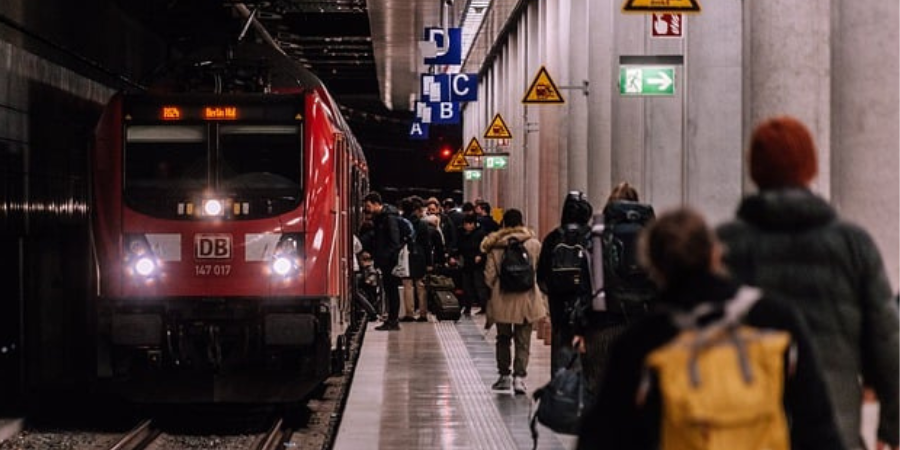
point(213, 207)
point(287, 260)
point(282, 266)
point(145, 266)
point(139, 257)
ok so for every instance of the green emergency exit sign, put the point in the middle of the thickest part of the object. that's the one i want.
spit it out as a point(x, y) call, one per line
point(646, 80)
point(472, 174)
point(496, 161)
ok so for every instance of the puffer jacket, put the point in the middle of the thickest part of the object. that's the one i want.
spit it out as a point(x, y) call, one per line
point(511, 307)
point(790, 242)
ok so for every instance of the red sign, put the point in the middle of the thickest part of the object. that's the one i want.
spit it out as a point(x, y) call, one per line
point(668, 25)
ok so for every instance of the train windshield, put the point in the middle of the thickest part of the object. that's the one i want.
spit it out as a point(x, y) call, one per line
point(167, 166)
point(165, 158)
point(260, 161)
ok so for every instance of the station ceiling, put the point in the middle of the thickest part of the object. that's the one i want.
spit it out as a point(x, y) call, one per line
point(365, 51)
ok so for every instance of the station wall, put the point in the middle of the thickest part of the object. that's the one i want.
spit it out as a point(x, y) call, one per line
point(832, 65)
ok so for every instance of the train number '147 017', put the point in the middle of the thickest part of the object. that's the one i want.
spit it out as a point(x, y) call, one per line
point(216, 270)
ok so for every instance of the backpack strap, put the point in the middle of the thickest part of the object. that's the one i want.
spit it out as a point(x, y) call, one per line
point(735, 309)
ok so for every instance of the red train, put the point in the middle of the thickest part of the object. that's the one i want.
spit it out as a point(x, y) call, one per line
point(224, 198)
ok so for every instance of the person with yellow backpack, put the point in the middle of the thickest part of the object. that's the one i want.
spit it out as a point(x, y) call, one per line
point(717, 365)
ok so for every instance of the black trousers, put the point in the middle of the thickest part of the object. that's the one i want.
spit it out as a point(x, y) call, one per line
point(392, 294)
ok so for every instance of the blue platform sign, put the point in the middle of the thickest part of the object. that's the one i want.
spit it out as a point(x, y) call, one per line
point(447, 50)
point(442, 113)
point(449, 87)
point(418, 131)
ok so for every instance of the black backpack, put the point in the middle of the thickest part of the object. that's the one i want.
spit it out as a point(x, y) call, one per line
point(516, 271)
point(569, 261)
point(626, 284)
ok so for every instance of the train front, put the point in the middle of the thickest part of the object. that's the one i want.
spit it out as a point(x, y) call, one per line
point(213, 245)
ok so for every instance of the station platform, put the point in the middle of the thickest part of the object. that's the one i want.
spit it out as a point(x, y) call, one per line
point(428, 386)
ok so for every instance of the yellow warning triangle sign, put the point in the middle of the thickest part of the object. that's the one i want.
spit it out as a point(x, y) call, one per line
point(543, 89)
point(497, 129)
point(457, 163)
point(661, 6)
point(473, 149)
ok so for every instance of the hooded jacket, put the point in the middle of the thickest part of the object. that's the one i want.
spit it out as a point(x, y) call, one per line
point(790, 242)
point(574, 212)
point(511, 307)
point(616, 421)
point(386, 238)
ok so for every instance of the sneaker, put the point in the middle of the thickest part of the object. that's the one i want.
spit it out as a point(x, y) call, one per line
point(422, 318)
point(467, 311)
point(481, 311)
point(407, 319)
point(519, 386)
point(387, 326)
point(502, 384)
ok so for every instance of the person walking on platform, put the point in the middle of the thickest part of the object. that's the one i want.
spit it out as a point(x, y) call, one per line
point(627, 287)
point(385, 249)
point(475, 291)
point(515, 303)
point(648, 402)
point(566, 245)
point(790, 241)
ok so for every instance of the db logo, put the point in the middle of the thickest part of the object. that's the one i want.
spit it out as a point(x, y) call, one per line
point(212, 246)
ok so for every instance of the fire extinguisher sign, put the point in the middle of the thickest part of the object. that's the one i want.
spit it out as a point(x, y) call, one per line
point(667, 25)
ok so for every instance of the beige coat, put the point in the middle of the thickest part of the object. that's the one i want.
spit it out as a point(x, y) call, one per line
point(511, 307)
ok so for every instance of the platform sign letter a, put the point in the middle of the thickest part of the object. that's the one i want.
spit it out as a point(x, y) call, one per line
point(418, 131)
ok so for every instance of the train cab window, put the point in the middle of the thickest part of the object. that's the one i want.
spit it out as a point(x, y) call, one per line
point(164, 161)
point(262, 163)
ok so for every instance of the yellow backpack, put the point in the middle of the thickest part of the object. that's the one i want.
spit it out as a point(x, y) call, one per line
point(722, 384)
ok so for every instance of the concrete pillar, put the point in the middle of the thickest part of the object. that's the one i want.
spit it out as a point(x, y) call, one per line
point(713, 146)
point(577, 115)
point(602, 88)
point(865, 115)
point(787, 70)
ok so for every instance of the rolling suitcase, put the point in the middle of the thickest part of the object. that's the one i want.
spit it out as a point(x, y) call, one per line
point(444, 304)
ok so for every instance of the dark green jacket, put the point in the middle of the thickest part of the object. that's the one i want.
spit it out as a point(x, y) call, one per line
point(791, 243)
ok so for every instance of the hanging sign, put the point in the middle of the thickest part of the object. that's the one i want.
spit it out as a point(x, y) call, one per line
point(473, 149)
point(647, 80)
point(449, 87)
point(457, 163)
point(472, 174)
point(496, 161)
point(497, 129)
point(440, 49)
point(542, 90)
point(661, 6)
point(418, 131)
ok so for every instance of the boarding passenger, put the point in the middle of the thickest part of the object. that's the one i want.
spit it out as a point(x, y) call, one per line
point(420, 260)
point(512, 308)
point(568, 244)
point(385, 249)
point(471, 260)
point(483, 212)
point(631, 409)
point(790, 241)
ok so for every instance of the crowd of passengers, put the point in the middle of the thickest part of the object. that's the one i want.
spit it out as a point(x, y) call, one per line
point(815, 276)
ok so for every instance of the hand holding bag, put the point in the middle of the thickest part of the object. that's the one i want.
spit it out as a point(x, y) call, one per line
point(401, 270)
